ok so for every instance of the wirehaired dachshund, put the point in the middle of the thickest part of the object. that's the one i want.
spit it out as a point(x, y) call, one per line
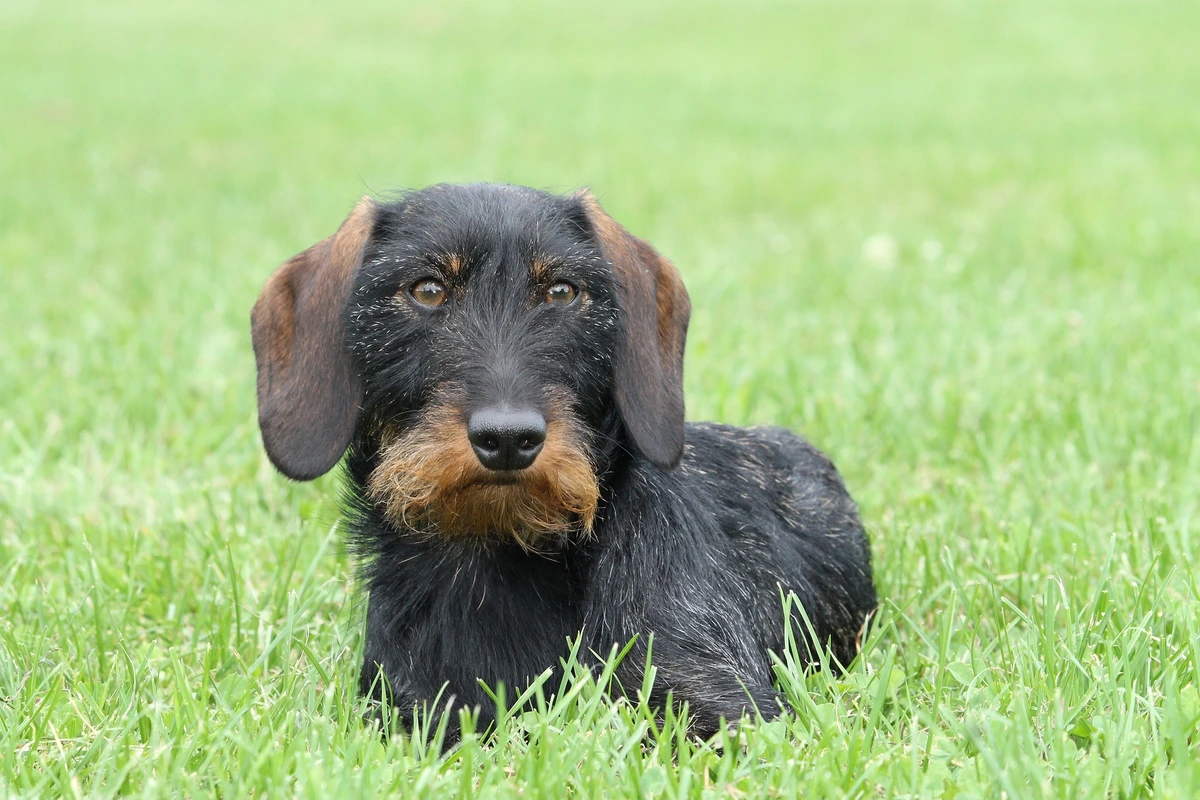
point(503, 369)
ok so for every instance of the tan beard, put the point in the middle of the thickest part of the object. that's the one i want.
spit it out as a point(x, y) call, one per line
point(429, 480)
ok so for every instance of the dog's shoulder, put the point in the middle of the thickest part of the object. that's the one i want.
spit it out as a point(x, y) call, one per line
point(761, 456)
point(746, 482)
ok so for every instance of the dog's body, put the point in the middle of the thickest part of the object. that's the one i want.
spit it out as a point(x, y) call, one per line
point(695, 556)
point(505, 367)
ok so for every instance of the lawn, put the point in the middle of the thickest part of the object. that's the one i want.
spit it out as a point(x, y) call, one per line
point(955, 244)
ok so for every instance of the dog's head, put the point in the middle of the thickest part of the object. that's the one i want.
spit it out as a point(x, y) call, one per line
point(486, 342)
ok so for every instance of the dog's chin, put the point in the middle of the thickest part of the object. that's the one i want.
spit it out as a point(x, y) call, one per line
point(510, 507)
point(507, 506)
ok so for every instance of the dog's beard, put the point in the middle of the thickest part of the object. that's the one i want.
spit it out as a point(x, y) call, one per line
point(429, 479)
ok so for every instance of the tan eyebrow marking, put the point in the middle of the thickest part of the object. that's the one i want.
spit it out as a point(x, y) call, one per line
point(540, 267)
point(453, 263)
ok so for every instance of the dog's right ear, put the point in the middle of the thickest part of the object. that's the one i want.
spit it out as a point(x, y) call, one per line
point(308, 392)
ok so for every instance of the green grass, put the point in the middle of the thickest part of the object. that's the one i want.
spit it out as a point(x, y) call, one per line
point(956, 244)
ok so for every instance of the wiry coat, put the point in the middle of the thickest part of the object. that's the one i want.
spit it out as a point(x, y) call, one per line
point(628, 522)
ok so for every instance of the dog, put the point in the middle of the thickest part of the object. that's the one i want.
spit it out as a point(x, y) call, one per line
point(503, 370)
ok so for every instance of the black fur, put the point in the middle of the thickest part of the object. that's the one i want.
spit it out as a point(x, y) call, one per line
point(696, 554)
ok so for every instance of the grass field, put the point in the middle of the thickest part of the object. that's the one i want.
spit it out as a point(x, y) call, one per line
point(956, 244)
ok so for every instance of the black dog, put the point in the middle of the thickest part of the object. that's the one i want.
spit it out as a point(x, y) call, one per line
point(505, 367)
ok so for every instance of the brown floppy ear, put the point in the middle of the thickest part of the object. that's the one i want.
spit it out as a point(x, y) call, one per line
point(308, 393)
point(649, 358)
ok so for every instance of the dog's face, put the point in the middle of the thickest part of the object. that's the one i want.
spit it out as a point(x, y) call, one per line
point(481, 339)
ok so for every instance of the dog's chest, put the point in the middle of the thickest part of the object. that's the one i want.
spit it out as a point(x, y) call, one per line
point(479, 615)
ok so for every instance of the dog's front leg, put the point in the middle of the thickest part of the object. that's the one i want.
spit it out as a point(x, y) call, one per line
point(723, 699)
point(712, 691)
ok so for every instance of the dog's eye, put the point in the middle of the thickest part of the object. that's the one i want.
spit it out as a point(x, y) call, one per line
point(428, 292)
point(561, 294)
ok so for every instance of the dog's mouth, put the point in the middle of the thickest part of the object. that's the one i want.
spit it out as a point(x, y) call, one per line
point(507, 477)
point(429, 480)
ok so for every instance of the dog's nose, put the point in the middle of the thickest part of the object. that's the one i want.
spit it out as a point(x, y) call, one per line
point(506, 440)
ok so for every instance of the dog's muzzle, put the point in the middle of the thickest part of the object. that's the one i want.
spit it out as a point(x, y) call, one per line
point(496, 471)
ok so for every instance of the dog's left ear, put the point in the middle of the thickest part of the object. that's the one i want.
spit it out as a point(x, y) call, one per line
point(308, 391)
point(649, 358)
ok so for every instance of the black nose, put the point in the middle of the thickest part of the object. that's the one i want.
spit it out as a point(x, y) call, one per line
point(506, 439)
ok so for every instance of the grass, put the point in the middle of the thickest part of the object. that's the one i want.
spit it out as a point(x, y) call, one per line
point(953, 243)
